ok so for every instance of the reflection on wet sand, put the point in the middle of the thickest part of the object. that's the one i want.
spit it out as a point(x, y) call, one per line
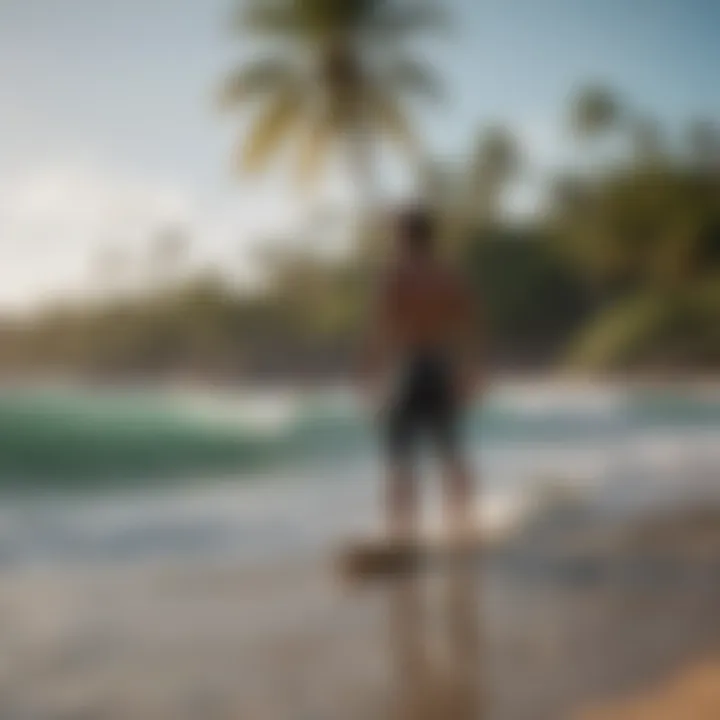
point(435, 656)
point(542, 633)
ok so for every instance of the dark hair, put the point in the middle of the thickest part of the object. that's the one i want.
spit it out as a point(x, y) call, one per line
point(416, 229)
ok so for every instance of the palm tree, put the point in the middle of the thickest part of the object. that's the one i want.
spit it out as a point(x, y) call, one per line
point(495, 163)
point(594, 110)
point(336, 74)
point(647, 142)
point(703, 138)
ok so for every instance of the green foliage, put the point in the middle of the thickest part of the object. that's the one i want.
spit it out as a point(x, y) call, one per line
point(332, 69)
point(532, 300)
point(621, 270)
point(618, 336)
point(495, 163)
point(703, 138)
point(594, 110)
point(647, 239)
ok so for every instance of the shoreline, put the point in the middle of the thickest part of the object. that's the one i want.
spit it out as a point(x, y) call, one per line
point(253, 641)
point(516, 382)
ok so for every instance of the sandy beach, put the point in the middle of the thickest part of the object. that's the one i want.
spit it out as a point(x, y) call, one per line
point(693, 693)
point(538, 630)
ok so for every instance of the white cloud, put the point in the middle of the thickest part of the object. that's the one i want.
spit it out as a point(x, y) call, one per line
point(68, 206)
point(55, 217)
point(52, 219)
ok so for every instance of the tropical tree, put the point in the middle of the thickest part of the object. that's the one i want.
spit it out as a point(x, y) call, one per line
point(646, 139)
point(645, 233)
point(648, 237)
point(333, 75)
point(495, 163)
point(703, 138)
point(595, 109)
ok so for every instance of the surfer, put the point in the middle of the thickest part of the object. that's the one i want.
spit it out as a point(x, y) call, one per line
point(423, 341)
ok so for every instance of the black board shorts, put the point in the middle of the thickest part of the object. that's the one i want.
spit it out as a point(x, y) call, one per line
point(423, 405)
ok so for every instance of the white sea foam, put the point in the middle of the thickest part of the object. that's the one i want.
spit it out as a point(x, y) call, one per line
point(565, 398)
point(313, 506)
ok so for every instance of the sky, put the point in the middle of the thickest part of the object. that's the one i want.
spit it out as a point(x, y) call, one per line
point(108, 131)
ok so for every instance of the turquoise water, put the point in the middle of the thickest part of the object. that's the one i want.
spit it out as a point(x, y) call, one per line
point(91, 476)
point(72, 439)
point(69, 440)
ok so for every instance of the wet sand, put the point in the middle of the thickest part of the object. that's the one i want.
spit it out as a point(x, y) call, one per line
point(538, 631)
point(694, 693)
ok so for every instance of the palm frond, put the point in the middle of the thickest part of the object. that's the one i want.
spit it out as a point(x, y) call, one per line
point(399, 20)
point(260, 78)
point(314, 149)
point(271, 126)
point(333, 36)
point(620, 334)
point(497, 155)
point(302, 18)
point(268, 17)
point(412, 77)
point(594, 109)
point(386, 112)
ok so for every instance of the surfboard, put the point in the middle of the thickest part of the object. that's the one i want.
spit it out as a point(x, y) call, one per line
point(377, 557)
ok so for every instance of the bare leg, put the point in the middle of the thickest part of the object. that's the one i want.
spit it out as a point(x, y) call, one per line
point(458, 498)
point(401, 504)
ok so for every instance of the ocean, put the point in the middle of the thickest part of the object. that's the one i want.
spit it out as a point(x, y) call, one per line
point(91, 476)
